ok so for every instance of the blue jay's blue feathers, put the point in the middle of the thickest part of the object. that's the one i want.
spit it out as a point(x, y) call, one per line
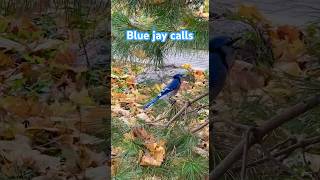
point(217, 76)
point(170, 90)
point(221, 58)
point(218, 42)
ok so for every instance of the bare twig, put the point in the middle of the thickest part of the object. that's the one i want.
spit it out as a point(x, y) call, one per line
point(164, 114)
point(261, 131)
point(245, 153)
point(237, 125)
point(282, 143)
point(301, 144)
point(198, 108)
point(277, 162)
point(200, 127)
point(85, 50)
point(188, 104)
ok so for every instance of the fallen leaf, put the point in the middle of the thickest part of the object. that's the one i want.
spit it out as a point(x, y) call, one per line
point(89, 140)
point(243, 76)
point(23, 107)
point(142, 134)
point(149, 160)
point(82, 97)
point(186, 66)
point(9, 45)
point(45, 44)
point(199, 75)
point(97, 173)
point(251, 12)
point(65, 57)
point(139, 53)
point(314, 160)
point(20, 152)
point(288, 32)
point(291, 68)
point(5, 61)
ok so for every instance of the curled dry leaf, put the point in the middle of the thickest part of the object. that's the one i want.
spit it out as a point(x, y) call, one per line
point(155, 149)
point(155, 156)
point(142, 134)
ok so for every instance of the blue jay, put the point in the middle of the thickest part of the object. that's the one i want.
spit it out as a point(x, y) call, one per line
point(170, 90)
point(221, 59)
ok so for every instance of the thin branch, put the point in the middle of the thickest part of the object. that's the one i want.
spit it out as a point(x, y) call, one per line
point(237, 125)
point(262, 130)
point(188, 104)
point(200, 127)
point(245, 153)
point(277, 162)
point(198, 108)
point(301, 144)
point(85, 50)
point(292, 139)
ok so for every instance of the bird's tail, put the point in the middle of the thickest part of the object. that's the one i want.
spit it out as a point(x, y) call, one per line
point(151, 103)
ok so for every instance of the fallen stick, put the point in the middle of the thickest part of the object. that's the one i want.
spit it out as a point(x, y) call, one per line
point(261, 131)
point(188, 104)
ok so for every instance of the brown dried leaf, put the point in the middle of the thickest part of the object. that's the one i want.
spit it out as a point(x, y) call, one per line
point(81, 98)
point(142, 134)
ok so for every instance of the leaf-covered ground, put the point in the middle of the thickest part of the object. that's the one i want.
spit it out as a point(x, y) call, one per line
point(263, 83)
point(141, 146)
point(52, 105)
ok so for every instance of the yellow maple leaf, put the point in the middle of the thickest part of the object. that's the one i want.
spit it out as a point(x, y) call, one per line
point(251, 12)
point(186, 66)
